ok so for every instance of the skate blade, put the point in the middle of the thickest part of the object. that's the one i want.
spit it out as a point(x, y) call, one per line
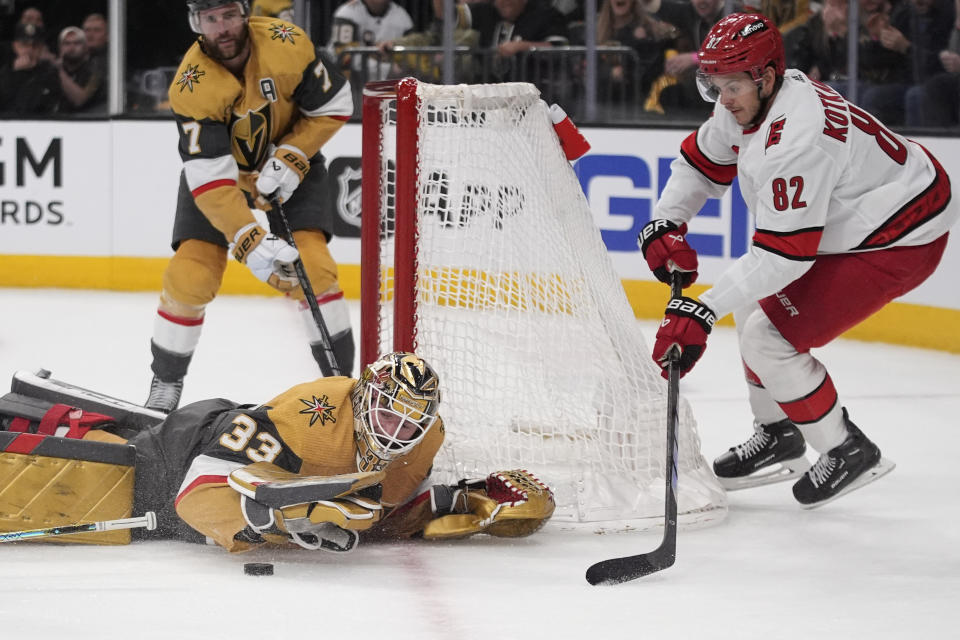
point(783, 471)
point(876, 472)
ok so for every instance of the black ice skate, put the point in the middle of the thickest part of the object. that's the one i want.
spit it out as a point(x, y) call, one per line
point(164, 395)
point(848, 466)
point(773, 453)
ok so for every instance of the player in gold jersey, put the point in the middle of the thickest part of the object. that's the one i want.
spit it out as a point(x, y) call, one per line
point(254, 103)
point(321, 466)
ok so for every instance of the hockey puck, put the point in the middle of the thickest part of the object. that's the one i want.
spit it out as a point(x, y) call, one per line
point(258, 569)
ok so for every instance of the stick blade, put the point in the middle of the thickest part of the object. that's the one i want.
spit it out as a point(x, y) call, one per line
point(617, 570)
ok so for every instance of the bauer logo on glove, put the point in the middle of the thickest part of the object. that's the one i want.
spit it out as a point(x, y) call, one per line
point(665, 248)
point(283, 172)
point(685, 327)
point(269, 258)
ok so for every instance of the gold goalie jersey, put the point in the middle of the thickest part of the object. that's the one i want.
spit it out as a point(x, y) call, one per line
point(289, 93)
point(307, 430)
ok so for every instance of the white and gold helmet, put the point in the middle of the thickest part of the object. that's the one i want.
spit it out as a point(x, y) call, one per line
point(395, 403)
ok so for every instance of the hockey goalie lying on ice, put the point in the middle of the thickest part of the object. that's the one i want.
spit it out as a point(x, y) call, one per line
point(321, 466)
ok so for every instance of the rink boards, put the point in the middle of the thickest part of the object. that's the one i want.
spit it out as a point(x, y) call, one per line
point(90, 205)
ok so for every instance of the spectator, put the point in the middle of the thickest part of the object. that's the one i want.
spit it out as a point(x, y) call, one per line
point(430, 67)
point(786, 14)
point(512, 26)
point(676, 91)
point(280, 9)
point(628, 23)
point(896, 47)
point(32, 15)
point(367, 23)
point(82, 82)
point(919, 29)
point(29, 85)
point(95, 28)
point(936, 102)
point(819, 48)
point(883, 55)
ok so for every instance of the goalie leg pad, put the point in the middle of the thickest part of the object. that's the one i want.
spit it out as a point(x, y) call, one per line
point(49, 481)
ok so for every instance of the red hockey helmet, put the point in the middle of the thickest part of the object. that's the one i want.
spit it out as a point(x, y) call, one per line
point(746, 42)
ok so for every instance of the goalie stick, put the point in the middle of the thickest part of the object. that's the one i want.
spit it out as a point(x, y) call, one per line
point(147, 521)
point(276, 488)
point(280, 226)
point(617, 570)
point(41, 386)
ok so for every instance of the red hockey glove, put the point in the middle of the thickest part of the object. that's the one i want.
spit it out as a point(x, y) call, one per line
point(665, 248)
point(686, 325)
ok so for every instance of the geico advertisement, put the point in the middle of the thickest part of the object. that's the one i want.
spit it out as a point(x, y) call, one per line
point(109, 188)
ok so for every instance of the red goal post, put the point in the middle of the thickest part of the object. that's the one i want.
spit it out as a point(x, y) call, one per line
point(480, 253)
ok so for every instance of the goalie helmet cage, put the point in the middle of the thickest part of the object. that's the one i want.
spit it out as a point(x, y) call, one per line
point(480, 254)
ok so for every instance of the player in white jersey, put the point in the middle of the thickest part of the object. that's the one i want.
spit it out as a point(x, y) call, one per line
point(849, 216)
point(367, 23)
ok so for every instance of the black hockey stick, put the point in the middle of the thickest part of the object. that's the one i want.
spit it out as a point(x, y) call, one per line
point(617, 570)
point(147, 521)
point(280, 226)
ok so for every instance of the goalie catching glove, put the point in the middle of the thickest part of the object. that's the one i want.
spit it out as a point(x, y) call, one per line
point(508, 504)
point(269, 258)
point(282, 173)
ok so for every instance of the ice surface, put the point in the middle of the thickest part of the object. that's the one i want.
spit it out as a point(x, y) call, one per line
point(879, 563)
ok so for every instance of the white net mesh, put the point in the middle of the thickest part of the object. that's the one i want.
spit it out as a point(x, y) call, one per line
point(542, 364)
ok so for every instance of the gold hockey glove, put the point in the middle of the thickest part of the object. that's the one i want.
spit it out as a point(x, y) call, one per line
point(508, 504)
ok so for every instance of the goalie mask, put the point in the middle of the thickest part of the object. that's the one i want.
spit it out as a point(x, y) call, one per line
point(194, 7)
point(395, 403)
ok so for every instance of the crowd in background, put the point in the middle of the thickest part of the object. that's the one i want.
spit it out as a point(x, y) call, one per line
point(908, 71)
point(63, 72)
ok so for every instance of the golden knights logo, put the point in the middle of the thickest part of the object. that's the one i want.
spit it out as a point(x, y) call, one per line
point(250, 136)
point(321, 410)
point(282, 32)
point(189, 77)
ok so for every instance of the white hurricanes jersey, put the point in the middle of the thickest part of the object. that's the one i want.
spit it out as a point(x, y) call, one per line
point(820, 175)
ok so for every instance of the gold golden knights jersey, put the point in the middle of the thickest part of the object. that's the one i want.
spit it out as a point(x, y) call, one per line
point(289, 94)
point(307, 430)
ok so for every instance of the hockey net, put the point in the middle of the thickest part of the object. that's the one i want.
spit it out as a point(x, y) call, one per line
point(480, 254)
